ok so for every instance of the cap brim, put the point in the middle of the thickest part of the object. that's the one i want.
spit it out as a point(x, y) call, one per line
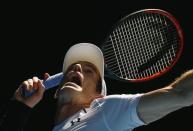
point(85, 52)
point(89, 53)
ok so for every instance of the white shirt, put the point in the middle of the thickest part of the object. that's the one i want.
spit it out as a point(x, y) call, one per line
point(111, 113)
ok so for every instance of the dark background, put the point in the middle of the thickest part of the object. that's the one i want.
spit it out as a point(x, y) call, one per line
point(35, 37)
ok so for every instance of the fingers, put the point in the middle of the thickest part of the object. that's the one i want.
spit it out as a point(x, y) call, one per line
point(17, 95)
point(41, 87)
point(35, 86)
point(35, 82)
point(31, 84)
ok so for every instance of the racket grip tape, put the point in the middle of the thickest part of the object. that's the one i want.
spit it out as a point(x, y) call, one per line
point(51, 82)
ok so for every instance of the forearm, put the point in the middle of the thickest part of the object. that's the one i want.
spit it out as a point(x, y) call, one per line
point(158, 103)
point(183, 87)
point(14, 115)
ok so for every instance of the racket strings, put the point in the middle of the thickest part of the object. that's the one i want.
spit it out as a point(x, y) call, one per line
point(141, 46)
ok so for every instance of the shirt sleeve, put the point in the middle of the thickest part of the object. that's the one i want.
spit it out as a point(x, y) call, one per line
point(120, 111)
point(13, 115)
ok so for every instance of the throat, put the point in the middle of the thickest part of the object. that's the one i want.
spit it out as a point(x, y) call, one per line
point(65, 111)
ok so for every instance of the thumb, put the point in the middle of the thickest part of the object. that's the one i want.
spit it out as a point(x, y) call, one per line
point(46, 76)
point(41, 89)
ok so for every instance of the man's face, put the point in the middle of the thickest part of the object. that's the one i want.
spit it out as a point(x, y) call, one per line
point(79, 84)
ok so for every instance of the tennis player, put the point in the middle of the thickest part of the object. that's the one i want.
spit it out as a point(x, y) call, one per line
point(83, 103)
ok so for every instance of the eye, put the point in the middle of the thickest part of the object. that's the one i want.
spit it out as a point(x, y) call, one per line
point(87, 70)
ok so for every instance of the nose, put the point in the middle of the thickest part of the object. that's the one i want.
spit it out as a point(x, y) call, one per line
point(77, 68)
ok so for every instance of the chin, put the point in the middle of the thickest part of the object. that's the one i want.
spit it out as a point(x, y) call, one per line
point(64, 98)
point(67, 95)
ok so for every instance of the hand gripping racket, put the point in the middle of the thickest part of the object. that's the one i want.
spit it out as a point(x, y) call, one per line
point(142, 46)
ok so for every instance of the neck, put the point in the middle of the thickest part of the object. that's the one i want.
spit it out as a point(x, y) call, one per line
point(66, 110)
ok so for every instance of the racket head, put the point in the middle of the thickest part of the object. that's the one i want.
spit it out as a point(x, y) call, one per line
point(142, 46)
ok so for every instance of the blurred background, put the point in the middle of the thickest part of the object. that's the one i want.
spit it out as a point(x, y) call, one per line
point(36, 36)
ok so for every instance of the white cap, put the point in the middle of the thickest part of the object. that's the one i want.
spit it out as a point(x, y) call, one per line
point(86, 52)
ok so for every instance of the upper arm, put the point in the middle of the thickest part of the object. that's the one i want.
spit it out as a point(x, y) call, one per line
point(14, 115)
point(121, 109)
point(158, 103)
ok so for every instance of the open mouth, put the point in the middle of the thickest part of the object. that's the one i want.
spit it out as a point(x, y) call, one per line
point(73, 81)
point(76, 80)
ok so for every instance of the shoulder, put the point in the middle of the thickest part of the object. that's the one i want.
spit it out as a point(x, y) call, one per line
point(120, 109)
point(116, 99)
point(122, 97)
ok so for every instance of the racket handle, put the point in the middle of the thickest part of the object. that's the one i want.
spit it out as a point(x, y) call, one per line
point(51, 82)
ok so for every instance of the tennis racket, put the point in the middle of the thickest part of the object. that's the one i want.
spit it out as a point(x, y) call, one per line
point(141, 46)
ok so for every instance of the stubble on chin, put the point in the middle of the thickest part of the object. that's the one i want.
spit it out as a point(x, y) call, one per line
point(67, 96)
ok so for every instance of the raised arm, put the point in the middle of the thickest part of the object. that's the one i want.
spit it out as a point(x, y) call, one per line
point(158, 103)
point(14, 114)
